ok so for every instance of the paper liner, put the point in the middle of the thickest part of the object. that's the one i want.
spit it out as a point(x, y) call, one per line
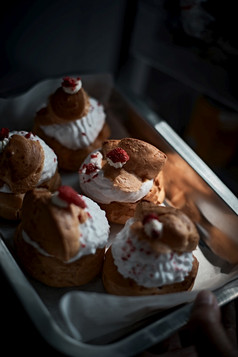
point(98, 317)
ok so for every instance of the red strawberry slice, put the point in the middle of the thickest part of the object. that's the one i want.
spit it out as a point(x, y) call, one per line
point(28, 135)
point(4, 133)
point(149, 217)
point(70, 82)
point(118, 155)
point(152, 231)
point(68, 194)
point(90, 168)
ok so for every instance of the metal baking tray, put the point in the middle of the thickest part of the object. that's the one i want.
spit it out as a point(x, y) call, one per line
point(190, 184)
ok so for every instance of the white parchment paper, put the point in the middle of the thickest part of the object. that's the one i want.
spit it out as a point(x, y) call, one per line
point(103, 317)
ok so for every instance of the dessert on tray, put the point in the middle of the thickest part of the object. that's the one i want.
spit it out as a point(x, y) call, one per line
point(26, 162)
point(72, 124)
point(120, 174)
point(61, 238)
point(153, 253)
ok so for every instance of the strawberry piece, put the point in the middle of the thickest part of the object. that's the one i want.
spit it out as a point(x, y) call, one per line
point(118, 155)
point(90, 168)
point(149, 217)
point(28, 135)
point(4, 133)
point(68, 194)
point(152, 225)
point(70, 82)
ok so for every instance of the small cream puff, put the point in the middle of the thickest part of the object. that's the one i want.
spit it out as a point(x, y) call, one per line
point(152, 254)
point(121, 174)
point(62, 237)
point(26, 162)
point(72, 123)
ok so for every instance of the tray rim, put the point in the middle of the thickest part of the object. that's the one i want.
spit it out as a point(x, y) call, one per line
point(179, 145)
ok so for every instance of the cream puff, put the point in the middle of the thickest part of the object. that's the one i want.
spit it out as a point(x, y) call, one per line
point(26, 162)
point(152, 254)
point(72, 124)
point(62, 237)
point(122, 173)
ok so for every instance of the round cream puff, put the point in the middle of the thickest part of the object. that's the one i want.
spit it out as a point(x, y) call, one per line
point(72, 124)
point(26, 162)
point(121, 174)
point(62, 237)
point(152, 254)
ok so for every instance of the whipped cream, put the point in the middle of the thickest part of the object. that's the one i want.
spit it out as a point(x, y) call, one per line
point(50, 159)
point(117, 165)
point(81, 132)
point(95, 185)
point(153, 228)
point(93, 233)
point(135, 259)
point(3, 144)
point(71, 85)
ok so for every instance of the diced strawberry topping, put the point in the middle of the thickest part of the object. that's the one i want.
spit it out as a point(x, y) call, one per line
point(70, 82)
point(149, 217)
point(68, 194)
point(28, 135)
point(118, 155)
point(4, 133)
point(90, 168)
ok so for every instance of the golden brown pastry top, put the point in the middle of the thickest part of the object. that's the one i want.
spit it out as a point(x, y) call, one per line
point(21, 163)
point(142, 161)
point(178, 233)
point(54, 228)
point(63, 107)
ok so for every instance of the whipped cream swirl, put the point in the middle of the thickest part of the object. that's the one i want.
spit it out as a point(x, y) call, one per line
point(93, 233)
point(81, 132)
point(101, 189)
point(136, 260)
point(50, 159)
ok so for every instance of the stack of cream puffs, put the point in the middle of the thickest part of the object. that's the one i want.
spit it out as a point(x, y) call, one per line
point(62, 238)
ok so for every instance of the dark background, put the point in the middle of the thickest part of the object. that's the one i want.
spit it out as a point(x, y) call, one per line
point(143, 44)
point(41, 39)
